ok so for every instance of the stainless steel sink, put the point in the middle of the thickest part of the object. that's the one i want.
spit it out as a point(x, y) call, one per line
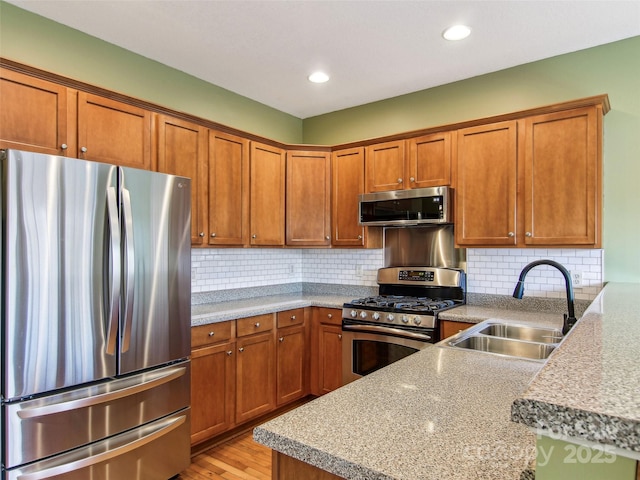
point(522, 332)
point(506, 346)
point(509, 339)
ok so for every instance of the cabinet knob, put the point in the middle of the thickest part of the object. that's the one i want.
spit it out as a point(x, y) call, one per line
point(511, 234)
point(399, 180)
point(412, 179)
point(339, 336)
point(201, 234)
point(527, 234)
point(211, 334)
point(327, 237)
point(257, 324)
point(359, 237)
point(241, 349)
point(229, 352)
point(253, 236)
point(83, 149)
point(213, 235)
point(329, 315)
point(281, 339)
point(293, 317)
point(64, 146)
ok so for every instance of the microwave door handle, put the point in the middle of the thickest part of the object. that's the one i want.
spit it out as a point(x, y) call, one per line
point(129, 264)
point(112, 269)
point(388, 330)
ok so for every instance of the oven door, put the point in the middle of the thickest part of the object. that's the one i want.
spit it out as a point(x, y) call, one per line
point(367, 348)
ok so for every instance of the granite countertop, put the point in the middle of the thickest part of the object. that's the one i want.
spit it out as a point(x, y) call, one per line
point(440, 413)
point(590, 387)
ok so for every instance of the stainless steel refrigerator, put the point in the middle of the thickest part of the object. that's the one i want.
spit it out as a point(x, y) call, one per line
point(95, 332)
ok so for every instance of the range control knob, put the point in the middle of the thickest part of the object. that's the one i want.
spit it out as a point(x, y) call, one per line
point(376, 316)
point(404, 319)
point(363, 314)
point(353, 314)
point(390, 317)
point(417, 320)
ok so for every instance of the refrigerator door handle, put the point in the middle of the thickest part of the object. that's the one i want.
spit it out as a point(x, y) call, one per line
point(95, 459)
point(114, 266)
point(102, 398)
point(129, 264)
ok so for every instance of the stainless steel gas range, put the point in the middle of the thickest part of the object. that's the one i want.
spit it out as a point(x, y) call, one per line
point(401, 320)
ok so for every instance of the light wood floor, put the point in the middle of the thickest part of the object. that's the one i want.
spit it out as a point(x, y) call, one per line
point(237, 459)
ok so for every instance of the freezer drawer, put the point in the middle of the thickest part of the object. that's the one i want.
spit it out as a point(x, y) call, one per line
point(156, 451)
point(50, 425)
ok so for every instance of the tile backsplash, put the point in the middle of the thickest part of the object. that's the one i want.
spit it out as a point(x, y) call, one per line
point(489, 271)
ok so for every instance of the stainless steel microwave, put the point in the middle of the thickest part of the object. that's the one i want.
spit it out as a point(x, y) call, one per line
point(407, 207)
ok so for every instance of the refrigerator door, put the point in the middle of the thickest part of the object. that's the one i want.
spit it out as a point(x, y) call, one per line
point(61, 233)
point(155, 451)
point(53, 424)
point(156, 295)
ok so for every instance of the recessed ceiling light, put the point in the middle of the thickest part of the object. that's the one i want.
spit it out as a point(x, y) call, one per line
point(318, 77)
point(456, 32)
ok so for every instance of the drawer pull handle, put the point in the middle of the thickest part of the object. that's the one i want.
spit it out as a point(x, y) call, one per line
point(257, 324)
point(293, 317)
point(211, 334)
point(329, 315)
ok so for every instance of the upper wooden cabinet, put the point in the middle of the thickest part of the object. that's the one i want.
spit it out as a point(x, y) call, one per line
point(563, 178)
point(228, 189)
point(267, 187)
point(308, 198)
point(531, 182)
point(430, 160)
point(182, 150)
point(36, 115)
point(113, 132)
point(385, 167)
point(486, 187)
point(418, 162)
point(347, 183)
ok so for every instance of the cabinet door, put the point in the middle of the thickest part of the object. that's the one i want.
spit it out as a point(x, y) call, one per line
point(212, 391)
point(113, 132)
point(486, 186)
point(348, 183)
point(308, 198)
point(449, 328)
point(430, 160)
point(255, 379)
point(267, 195)
point(37, 116)
point(291, 376)
point(182, 150)
point(229, 189)
point(385, 167)
point(563, 178)
point(330, 358)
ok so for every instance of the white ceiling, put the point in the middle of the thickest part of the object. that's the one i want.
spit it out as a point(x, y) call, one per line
point(372, 50)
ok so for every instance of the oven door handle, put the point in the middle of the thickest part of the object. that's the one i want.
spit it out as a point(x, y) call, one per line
point(394, 331)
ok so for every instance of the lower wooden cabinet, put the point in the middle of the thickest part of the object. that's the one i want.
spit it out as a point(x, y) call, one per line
point(327, 356)
point(449, 328)
point(212, 380)
point(242, 369)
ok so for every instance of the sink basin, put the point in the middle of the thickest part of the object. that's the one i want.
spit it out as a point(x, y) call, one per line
point(522, 332)
point(505, 346)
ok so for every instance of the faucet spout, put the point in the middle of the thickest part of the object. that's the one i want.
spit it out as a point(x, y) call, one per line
point(570, 317)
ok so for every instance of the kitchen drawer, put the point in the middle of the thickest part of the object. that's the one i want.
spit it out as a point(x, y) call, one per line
point(329, 316)
point(291, 317)
point(211, 333)
point(257, 324)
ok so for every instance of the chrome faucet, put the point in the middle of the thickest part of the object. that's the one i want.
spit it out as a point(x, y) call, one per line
point(570, 319)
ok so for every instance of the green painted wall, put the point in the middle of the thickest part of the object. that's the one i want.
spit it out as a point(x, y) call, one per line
point(613, 69)
point(34, 40)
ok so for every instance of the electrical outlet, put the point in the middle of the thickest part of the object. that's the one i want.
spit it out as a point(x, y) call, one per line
point(291, 269)
point(576, 278)
point(359, 271)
